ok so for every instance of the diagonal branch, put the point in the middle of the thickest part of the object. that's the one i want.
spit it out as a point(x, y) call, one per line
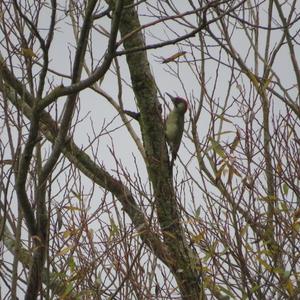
point(101, 177)
point(152, 128)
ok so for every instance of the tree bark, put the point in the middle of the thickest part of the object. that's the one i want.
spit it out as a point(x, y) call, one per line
point(184, 263)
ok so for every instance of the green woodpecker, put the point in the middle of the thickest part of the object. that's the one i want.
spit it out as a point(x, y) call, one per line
point(175, 126)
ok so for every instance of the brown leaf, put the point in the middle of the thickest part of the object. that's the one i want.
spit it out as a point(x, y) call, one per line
point(173, 57)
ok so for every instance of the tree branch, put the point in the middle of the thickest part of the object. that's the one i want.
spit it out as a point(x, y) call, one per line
point(101, 177)
point(76, 86)
point(152, 128)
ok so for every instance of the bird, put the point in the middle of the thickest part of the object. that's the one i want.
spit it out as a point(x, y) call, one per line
point(174, 126)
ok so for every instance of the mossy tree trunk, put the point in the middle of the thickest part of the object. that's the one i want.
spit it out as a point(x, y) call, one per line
point(184, 261)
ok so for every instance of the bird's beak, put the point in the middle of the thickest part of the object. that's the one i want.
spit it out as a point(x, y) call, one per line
point(172, 98)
